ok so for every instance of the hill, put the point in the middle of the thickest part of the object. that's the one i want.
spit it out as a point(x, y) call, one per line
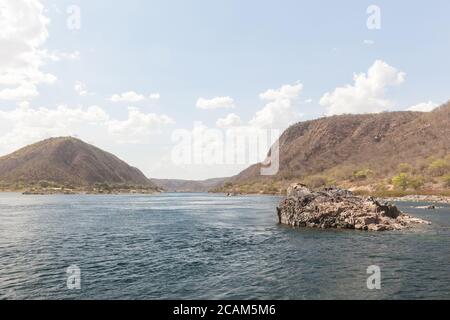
point(173, 185)
point(70, 163)
point(388, 151)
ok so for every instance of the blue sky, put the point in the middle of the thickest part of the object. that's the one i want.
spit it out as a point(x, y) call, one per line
point(186, 50)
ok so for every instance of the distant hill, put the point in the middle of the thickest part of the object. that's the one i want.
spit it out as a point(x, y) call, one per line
point(392, 151)
point(68, 161)
point(172, 185)
point(359, 150)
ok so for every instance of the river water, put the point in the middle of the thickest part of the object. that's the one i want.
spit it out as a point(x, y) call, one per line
point(207, 246)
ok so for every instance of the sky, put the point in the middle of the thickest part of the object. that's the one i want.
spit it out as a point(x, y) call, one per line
point(163, 83)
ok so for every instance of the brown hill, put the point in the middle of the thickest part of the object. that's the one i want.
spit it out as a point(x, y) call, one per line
point(67, 160)
point(341, 148)
point(173, 185)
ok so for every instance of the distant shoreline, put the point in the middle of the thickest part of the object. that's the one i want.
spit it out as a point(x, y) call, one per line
point(407, 198)
point(79, 192)
point(421, 198)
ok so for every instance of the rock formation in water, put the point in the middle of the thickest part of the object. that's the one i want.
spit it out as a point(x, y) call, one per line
point(338, 208)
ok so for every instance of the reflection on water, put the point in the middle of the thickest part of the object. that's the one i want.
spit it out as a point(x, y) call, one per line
point(203, 246)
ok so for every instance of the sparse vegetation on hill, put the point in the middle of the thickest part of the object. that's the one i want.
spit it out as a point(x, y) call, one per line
point(395, 152)
point(68, 165)
point(172, 185)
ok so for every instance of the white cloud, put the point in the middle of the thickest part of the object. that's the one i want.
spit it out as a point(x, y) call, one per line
point(155, 96)
point(287, 91)
point(24, 125)
point(23, 91)
point(369, 42)
point(367, 94)
point(215, 103)
point(231, 120)
point(23, 31)
point(23, 104)
point(132, 96)
point(280, 111)
point(81, 88)
point(129, 96)
point(58, 55)
point(424, 107)
point(138, 126)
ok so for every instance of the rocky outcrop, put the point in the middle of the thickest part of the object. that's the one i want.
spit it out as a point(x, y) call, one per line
point(338, 208)
point(432, 207)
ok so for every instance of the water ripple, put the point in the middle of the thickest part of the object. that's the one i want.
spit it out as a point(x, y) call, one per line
point(200, 246)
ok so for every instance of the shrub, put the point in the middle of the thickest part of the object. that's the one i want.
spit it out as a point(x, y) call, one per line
point(44, 184)
point(343, 173)
point(362, 174)
point(228, 185)
point(405, 168)
point(288, 175)
point(381, 186)
point(103, 187)
point(272, 189)
point(401, 181)
point(439, 167)
point(404, 181)
point(447, 180)
point(316, 181)
point(416, 183)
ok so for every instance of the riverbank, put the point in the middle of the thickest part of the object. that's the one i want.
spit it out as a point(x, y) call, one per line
point(439, 197)
point(43, 192)
point(421, 198)
point(407, 198)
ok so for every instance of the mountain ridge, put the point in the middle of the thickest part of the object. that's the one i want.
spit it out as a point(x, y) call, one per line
point(362, 150)
point(68, 161)
point(378, 143)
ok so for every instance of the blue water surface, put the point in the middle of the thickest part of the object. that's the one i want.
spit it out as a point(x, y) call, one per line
point(207, 246)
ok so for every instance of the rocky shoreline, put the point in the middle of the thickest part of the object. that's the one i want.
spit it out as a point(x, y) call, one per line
point(341, 209)
point(58, 191)
point(422, 198)
point(39, 193)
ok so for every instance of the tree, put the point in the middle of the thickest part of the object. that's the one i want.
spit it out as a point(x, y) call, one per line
point(44, 184)
point(416, 183)
point(401, 181)
point(228, 185)
point(439, 167)
point(447, 180)
point(363, 174)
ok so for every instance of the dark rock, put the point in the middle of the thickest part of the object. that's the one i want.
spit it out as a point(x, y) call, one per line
point(339, 208)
